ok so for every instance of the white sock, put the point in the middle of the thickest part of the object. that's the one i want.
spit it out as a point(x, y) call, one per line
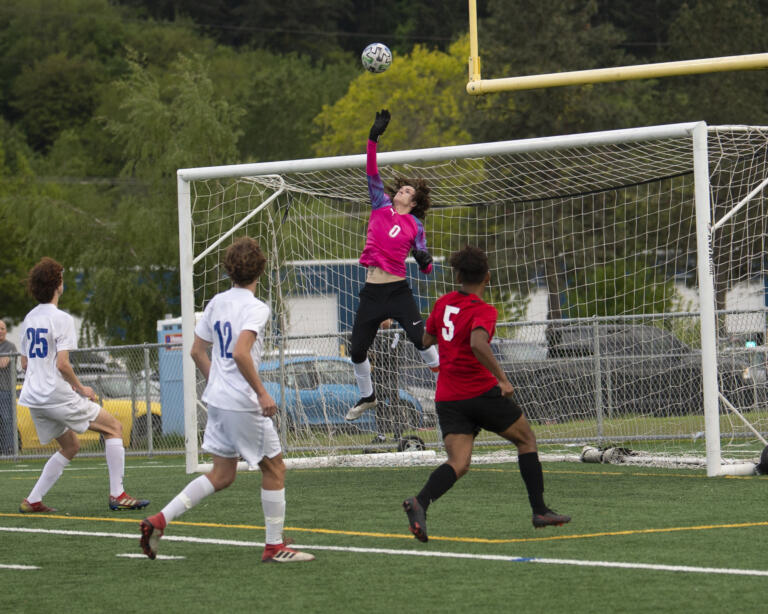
point(115, 453)
point(51, 472)
point(430, 356)
point(363, 377)
point(273, 504)
point(194, 492)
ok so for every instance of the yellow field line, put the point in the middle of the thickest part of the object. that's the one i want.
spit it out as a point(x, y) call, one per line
point(472, 540)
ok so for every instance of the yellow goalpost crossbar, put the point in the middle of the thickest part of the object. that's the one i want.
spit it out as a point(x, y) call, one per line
point(478, 85)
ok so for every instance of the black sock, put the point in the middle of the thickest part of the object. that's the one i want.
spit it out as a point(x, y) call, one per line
point(439, 482)
point(530, 469)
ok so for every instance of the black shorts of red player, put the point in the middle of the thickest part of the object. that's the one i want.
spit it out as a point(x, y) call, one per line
point(490, 411)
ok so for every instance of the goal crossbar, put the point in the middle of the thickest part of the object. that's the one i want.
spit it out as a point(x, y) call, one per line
point(438, 154)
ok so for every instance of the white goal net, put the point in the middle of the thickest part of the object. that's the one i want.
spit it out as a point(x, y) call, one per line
point(628, 268)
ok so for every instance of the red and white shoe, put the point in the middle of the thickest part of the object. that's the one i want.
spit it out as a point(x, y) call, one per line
point(33, 508)
point(126, 502)
point(281, 553)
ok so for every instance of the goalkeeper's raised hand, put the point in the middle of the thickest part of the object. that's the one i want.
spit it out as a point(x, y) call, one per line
point(379, 125)
point(423, 259)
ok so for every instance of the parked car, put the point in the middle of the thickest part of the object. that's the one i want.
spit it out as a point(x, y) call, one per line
point(757, 371)
point(319, 390)
point(752, 360)
point(638, 369)
point(118, 393)
point(86, 362)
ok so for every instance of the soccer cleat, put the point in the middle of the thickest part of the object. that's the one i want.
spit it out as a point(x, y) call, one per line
point(417, 518)
point(358, 408)
point(32, 508)
point(549, 518)
point(281, 553)
point(150, 536)
point(126, 502)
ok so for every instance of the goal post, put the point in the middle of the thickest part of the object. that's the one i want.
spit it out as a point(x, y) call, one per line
point(613, 256)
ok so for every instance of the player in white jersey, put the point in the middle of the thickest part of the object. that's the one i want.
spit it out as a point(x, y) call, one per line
point(240, 409)
point(58, 402)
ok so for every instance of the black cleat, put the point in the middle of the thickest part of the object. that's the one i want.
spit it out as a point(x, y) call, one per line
point(417, 518)
point(549, 519)
point(150, 536)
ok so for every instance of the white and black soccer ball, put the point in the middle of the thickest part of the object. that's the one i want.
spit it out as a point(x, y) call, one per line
point(376, 57)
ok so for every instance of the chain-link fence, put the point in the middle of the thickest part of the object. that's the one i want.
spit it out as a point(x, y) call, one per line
point(141, 385)
point(576, 380)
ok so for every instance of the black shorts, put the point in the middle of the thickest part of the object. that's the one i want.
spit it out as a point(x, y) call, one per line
point(489, 411)
point(379, 302)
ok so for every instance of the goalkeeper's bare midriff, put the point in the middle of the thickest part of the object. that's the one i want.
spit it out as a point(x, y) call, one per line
point(376, 275)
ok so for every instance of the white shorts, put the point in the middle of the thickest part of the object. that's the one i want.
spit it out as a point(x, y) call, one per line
point(232, 434)
point(53, 422)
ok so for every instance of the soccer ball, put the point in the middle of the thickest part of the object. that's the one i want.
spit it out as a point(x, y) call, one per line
point(376, 57)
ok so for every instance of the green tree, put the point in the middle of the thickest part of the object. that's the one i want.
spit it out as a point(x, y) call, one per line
point(630, 286)
point(55, 92)
point(13, 269)
point(280, 94)
point(83, 31)
point(533, 37)
point(645, 24)
point(15, 261)
point(135, 282)
point(715, 28)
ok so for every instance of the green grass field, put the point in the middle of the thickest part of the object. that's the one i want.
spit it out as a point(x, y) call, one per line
point(641, 540)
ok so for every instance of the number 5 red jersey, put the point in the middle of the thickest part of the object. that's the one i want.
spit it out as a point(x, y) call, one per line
point(453, 318)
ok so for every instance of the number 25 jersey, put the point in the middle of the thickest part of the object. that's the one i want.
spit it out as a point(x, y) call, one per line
point(46, 331)
point(453, 318)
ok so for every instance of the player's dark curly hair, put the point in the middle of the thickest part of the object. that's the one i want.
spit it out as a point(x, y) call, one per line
point(44, 279)
point(470, 264)
point(244, 261)
point(423, 202)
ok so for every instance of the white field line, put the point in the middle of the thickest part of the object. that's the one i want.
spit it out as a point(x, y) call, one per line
point(451, 555)
point(21, 567)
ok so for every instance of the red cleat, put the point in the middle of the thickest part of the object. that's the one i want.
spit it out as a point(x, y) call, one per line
point(33, 508)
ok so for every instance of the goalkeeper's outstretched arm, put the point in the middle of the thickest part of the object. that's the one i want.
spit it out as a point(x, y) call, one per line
point(379, 197)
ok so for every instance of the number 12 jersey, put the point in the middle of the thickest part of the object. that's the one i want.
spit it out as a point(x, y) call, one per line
point(225, 317)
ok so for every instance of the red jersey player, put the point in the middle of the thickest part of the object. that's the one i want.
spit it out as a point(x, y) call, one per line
point(473, 393)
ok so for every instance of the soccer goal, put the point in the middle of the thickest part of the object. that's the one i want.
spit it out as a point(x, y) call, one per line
point(617, 262)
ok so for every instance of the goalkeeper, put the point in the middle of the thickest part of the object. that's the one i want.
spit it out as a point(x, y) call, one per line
point(395, 230)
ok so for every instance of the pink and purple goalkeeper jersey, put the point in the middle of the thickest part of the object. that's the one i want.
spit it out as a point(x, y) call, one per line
point(391, 236)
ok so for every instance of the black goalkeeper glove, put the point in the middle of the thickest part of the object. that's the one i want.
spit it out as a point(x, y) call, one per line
point(379, 125)
point(423, 259)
